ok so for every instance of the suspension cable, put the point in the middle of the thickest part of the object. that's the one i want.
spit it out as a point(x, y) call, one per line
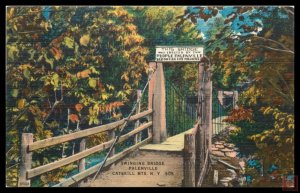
point(122, 128)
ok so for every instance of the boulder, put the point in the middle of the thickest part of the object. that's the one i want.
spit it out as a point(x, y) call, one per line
point(226, 179)
point(226, 150)
point(229, 145)
point(217, 153)
point(231, 154)
point(214, 149)
point(218, 143)
point(219, 146)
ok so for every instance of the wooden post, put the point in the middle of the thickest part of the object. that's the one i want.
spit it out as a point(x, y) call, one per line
point(235, 99)
point(200, 80)
point(26, 160)
point(159, 106)
point(200, 136)
point(150, 129)
point(220, 97)
point(152, 65)
point(189, 160)
point(215, 177)
point(138, 136)
point(197, 154)
point(112, 135)
point(208, 108)
point(81, 165)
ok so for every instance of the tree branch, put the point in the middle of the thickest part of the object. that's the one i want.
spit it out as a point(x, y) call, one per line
point(267, 39)
point(27, 32)
point(18, 117)
point(55, 104)
point(61, 91)
point(12, 166)
point(287, 10)
point(49, 102)
point(283, 80)
point(51, 111)
point(275, 49)
point(278, 90)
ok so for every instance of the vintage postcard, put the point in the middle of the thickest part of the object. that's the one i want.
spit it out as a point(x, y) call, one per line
point(150, 96)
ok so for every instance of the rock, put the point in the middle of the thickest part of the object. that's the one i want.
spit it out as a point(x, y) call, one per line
point(242, 164)
point(231, 154)
point(218, 153)
point(226, 150)
point(229, 145)
point(226, 179)
point(224, 184)
point(218, 143)
point(219, 146)
point(214, 149)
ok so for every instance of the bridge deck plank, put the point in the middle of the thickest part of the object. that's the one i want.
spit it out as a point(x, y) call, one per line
point(172, 144)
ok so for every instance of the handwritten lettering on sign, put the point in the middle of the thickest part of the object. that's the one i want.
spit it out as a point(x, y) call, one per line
point(178, 53)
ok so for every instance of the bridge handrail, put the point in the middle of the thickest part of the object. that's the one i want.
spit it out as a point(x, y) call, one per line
point(83, 133)
point(99, 148)
point(92, 170)
point(28, 146)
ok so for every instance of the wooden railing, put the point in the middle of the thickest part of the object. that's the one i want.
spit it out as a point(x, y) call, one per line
point(197, 143)
point(28, 146)
point(195, 156)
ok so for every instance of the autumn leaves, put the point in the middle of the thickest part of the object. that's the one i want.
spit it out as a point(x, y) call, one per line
point(84, 40)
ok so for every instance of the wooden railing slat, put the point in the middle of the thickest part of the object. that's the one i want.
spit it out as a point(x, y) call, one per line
point(140, 115)
point(137, 130)
point(51, 166)
point(72, 136)
point(93, 169)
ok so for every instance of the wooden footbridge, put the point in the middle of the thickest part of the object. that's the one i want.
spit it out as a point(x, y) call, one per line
point(153, 160)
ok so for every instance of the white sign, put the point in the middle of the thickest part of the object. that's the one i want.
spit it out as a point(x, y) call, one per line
point(178, 53)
